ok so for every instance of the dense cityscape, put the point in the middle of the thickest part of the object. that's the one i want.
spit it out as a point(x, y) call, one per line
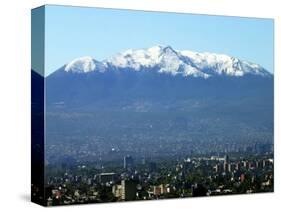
point(132, 178)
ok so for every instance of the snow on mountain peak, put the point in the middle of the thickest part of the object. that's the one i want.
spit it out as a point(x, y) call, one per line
point(137, 59)
point(84, 65)
point(165, 59)
point(222, 64)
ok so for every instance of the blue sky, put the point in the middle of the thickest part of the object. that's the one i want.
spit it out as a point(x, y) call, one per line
point(73, 32)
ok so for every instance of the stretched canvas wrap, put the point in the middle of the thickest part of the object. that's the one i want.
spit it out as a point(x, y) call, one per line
point(136, 105)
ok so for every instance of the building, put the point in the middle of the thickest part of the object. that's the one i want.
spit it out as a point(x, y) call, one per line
point(226, 158)
point(238, 166)
point(126, 190)
point(265, 163)
point(103, 178)
point(231, 167)
point(242, 178)
point(217, 168)
point(49, 201)
point(129, 190)
point(159, 190)
point(128, 162)
point(117, 191)
point(246, 164)
point(226, 163)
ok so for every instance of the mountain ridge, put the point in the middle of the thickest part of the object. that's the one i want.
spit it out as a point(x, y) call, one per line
point(164, 59)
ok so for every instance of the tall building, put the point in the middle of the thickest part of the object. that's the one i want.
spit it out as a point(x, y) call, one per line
point(129, 190)
point(128, 162)
point(226, 159)
point(226, 163)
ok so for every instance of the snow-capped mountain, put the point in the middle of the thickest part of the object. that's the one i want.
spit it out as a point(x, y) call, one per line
point(164, 59)
point(159, 78)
